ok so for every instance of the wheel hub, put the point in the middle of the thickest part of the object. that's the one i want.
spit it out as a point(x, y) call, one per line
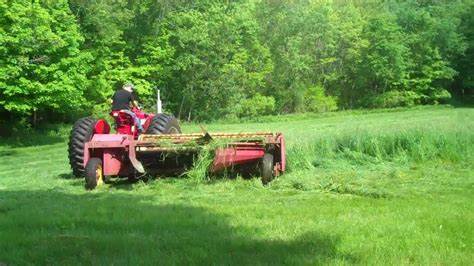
point(99, 177)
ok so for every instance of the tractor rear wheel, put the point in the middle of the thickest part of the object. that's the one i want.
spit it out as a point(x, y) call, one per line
point(163, 124)
point(94, 173)
point(81, 133)
point(266, 168)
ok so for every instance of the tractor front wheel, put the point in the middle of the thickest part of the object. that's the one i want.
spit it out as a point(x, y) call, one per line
point(94, 173)
point(266, 168)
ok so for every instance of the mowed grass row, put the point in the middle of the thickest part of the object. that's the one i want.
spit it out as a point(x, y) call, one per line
point(376, 188)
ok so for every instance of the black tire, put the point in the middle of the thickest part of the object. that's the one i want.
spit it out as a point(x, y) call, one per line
point(163, 124)
point(132, 176)
point(94, 173)
point(81, 133)
point(266, 168)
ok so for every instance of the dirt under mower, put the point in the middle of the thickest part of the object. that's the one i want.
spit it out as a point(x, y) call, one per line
point(95, 152)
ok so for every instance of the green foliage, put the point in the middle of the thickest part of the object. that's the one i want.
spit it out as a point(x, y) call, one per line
point(464, 86)
point(216, 60)
point(440, 96)
point(384, 61)
point(315, 100)
point(392, 99)
point(256, 106)
point(41, 65)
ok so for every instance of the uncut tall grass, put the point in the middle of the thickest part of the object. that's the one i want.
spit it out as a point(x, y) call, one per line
point(420, 144)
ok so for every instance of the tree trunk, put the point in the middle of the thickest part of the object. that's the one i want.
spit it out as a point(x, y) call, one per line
point(181, 108)
point(34, 119)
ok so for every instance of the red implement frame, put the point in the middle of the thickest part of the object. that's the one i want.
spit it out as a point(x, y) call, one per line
point(119, 151)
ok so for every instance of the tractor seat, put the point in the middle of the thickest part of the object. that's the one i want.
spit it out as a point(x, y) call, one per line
point(122, 117)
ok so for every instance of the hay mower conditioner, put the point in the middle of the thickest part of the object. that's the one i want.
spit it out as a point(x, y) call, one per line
point(94, 152)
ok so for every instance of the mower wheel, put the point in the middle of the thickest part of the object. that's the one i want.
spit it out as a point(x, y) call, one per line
point(266, 168)
point(81, 133)
point(163, 124)
point(94, 173)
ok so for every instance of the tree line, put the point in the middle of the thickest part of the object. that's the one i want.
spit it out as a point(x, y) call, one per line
point(61, 59)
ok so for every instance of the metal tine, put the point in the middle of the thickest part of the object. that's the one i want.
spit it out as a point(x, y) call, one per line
point(165, 149)
point(200, 135)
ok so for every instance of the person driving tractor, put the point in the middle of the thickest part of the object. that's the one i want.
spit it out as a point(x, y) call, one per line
point(123, 99)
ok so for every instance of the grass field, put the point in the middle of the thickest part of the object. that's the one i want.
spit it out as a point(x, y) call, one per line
point(374, 188)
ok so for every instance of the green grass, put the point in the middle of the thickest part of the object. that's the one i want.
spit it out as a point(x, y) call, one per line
point(361, 188)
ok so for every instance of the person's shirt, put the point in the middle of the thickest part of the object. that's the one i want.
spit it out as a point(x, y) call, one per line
point(121, 100)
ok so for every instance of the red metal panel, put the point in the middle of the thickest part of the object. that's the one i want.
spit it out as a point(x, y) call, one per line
point(112, 161)
point(102, 127)
point(86, 155)
point(227, 157)
point(110, 137)
point(103, 142)
point(281, 140)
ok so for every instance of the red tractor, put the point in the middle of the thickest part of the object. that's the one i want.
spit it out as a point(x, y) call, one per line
point(94, 152)
point(160, 124)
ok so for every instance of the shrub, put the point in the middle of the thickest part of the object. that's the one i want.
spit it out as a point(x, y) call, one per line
point(257, 105)
point(316, 100)
point(392, 99)
point(440, 96)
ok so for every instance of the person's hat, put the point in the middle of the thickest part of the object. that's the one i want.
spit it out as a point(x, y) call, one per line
point(129, 84)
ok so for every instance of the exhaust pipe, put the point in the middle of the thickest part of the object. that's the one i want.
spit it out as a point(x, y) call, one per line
point(158, 101)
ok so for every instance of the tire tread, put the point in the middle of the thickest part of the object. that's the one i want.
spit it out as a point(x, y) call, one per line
point(81, 132)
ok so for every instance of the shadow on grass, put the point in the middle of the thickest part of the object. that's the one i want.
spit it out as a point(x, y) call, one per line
point(52, 227)
point(68, 176)
point(8, 153)
point(120, 183)
point(31, 140)
point(123, 183)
